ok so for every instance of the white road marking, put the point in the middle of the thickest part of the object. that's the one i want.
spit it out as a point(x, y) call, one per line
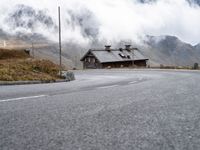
point(22, 98)
point(133, 82)
point(105, 87)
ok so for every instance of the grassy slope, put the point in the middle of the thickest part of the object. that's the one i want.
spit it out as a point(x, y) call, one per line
point(16, 65)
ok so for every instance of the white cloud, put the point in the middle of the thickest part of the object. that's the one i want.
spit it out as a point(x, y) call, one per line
point(120, 19)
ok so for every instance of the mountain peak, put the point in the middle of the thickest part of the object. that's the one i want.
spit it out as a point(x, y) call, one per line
point(25, 17)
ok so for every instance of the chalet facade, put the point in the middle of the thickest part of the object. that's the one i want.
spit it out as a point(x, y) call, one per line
point(113, 58)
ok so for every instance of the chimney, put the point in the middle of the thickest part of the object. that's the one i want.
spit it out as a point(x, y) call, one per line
point(108, 48)
point(128, 47)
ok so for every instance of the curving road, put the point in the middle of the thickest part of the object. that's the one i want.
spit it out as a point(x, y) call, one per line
point(104, 110)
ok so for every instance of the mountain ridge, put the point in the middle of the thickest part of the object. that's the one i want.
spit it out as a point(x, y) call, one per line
point(169, 50)
point(166, 49)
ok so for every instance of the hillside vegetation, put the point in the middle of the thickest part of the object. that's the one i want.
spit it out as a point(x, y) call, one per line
point(17, 65)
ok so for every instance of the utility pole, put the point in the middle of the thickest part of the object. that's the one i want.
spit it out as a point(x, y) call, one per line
point(33, 50)
point(60, 44)
point(133, 63)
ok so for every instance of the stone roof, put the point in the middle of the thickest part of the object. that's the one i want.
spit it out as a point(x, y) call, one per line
point(116, 55)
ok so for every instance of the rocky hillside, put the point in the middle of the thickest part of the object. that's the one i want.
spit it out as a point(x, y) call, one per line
point(166, 50)
point(169, 50)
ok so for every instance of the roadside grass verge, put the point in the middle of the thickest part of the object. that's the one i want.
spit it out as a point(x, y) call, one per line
point(13, 54)
point(17, 65)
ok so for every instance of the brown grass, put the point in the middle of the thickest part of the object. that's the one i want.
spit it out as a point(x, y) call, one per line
point(18, 66)
point(10, 54)
point(172, 67)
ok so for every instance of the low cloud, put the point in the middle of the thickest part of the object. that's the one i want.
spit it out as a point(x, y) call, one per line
point(111, 20)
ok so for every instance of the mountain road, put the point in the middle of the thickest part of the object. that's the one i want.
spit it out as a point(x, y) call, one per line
point(104, 110)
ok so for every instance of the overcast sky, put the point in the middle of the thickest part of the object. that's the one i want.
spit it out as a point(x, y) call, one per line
point(115, 20)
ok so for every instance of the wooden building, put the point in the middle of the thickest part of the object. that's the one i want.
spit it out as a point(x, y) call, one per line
point(113, 58)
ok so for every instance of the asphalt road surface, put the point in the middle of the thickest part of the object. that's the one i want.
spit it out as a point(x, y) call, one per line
point(104, 110)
